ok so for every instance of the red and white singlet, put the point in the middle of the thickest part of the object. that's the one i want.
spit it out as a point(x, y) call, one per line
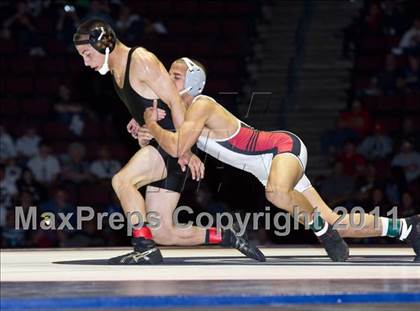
point(252, 150)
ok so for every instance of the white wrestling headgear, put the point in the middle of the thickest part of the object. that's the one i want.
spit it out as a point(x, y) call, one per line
point(195, 79)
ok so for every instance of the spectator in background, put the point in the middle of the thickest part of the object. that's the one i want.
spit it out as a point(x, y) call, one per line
point(75, 168)
point(388, 81)
point(87, 237)
point(7, 146)
point(69, 112)
point(411, 75)
point(28, 184)
point(100, 9)
point(410, 42)
point(13, 171)
point(350, 34)
point(408, 132)
point(67, 22)
point(334, 139)
point(409, 160)
point(205, 201)
point(156, 28)
point(378, 198)
point(8, 190)
point(25, 200)
point(395, 20)
point(130, 26)
point(376, 146)
point(58, 204)
point(12, 237)
point(373, 21)
point(407, 207)
point(357, 119)
point(44, 166)
point(367, 181)
point(337, 187)
point(395, 183)
point(353, 163)
point(28, 145)
point(18, 237)
point(104, 167)
point(22, 25)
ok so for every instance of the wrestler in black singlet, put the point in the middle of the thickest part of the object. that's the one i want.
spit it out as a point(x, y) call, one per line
point(136, 104)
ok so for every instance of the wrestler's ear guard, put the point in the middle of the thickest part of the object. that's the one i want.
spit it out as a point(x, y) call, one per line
point(195, 79)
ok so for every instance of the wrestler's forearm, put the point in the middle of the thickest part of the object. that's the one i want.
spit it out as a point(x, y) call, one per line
point(166, 139)
point(178, 110)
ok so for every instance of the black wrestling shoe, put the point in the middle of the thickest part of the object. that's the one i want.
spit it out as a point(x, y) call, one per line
point(240, 242)
point(145, 253)
point(414, 235)
point(336, 248)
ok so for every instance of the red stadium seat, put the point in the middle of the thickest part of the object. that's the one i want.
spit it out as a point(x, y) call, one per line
point(213, 8)
point(94, 195)
point(47, 86)
point(368, 64)
point(8, 46)
point(59, 147)
point(185, 8)
point(362, 83)
point(180, 26)
point(207, 27)
point(56, 131)
point(55, 47)
point(53, 65)
point(171, 47)
point(119, 151)
point(389, 103)
point(370, 103)
point(157, 8)
point(140, 7)
point(235, 26)
point(390, 124)
point(92, 150)
point(45, 25)
point(393, 42)
point(202, 49)
point(225, 67)
point(23, 65)
point(19, 86)
point(412, 103)
point(36, 107)
point(373, 43)
point(75, 64)
point(9, 106)
point(93, 131)
point(243, 8)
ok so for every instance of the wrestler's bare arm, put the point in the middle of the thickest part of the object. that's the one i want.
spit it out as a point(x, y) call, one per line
point(176, 144)
point(153, 73)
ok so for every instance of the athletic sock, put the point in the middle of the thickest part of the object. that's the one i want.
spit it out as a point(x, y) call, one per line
point(318, 225)
point(143, 232)
point(142, 239)
point(213, 237)
point(399, 229)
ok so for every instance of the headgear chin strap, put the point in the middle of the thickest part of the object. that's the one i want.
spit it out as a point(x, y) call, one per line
point(195, 79)
point(105, 68)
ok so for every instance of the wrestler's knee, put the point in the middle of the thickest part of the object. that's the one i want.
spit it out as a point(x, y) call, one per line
point(279, 195)
point(125, 178)
point(117, 181)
